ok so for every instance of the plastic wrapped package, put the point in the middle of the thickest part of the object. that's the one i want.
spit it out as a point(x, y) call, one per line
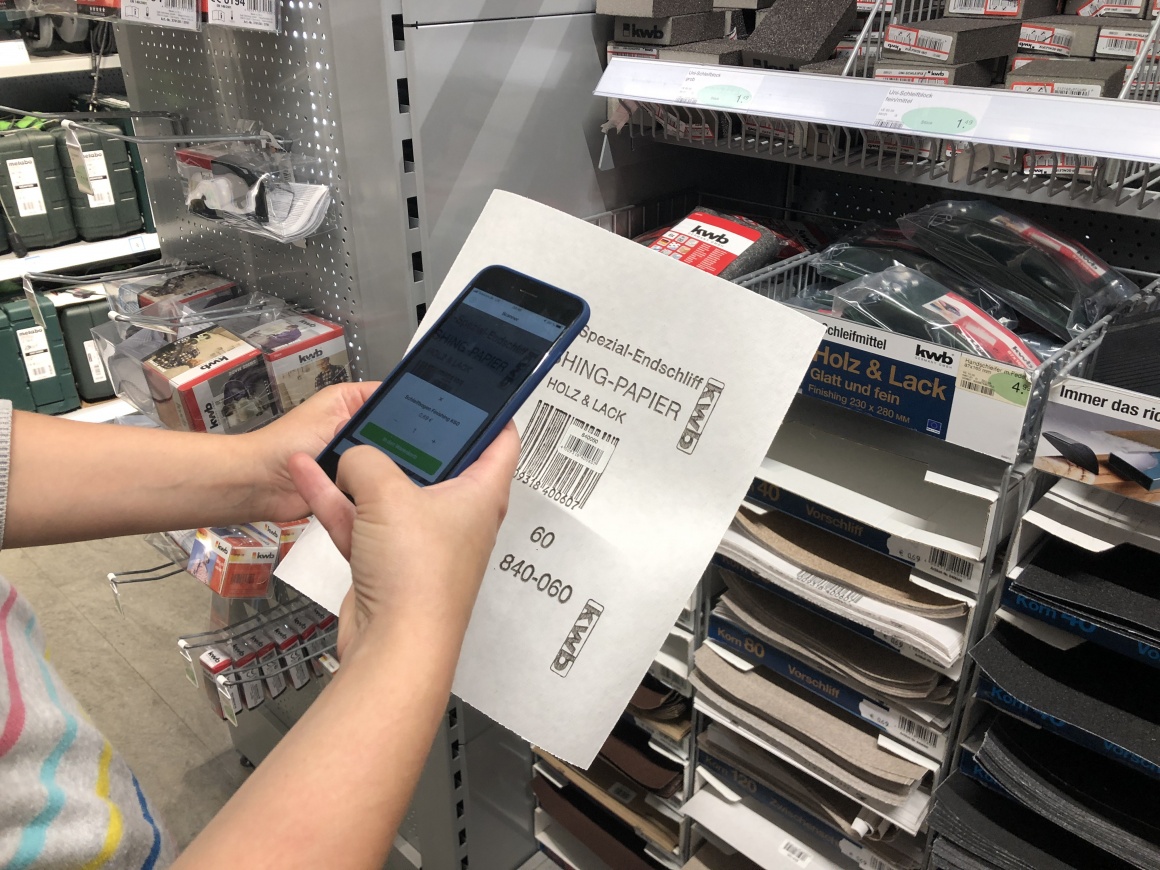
point(1057, 284)
point(907, 302)
point(240, 314)
point(846, 262)
point(123, 349)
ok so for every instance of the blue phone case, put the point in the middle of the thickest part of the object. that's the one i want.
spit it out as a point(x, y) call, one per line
point(518, 398)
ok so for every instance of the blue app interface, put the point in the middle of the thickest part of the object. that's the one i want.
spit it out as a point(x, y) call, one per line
point(466, 371)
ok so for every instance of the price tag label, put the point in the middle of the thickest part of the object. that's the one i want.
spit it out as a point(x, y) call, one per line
point(180, 14)
point(719, 88)
point(935, 112)
point(13, 52)
point(245, 14)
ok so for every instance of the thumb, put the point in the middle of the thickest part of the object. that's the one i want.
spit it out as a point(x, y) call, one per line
point(324, 499)
point(367, 474)
point(496, 466)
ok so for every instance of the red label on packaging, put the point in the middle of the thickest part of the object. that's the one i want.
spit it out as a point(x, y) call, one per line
point(993, 340)
point(706, 241)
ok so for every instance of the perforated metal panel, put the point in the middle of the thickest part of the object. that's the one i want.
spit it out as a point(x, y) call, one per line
point(359, 273)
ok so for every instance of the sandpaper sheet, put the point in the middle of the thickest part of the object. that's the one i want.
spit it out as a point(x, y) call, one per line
point(830, 557)
point(657, 701)
point(1121, 585)
point(829, 730)
point(709, 857)
point(782, 623)
point(1006, 834)
point(945, 855)
point(1092, 688)
point(612, 840)
point(1105, 803)
point(627, 750)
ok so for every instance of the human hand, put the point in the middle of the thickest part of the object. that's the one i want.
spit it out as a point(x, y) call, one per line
point(265, 455)
point(417, 554)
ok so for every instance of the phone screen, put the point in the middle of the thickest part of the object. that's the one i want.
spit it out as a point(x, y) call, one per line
point(458, 379)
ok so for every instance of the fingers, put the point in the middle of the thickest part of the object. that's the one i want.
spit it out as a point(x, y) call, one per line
point(496, 466)
point(355, 395)
point(324, 499)
point(368, 474)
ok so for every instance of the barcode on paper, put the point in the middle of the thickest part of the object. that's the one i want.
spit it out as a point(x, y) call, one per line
point(1051, 40)
point(917, 733)
point(796, 853)
point(96, 365)
point(266, 7)
point(829, 588)
point(621, 792)
point(37, 356)
point(178, 4)
point(1008, 8)
point(984, 389)
point(1122, 43)
point(562, 456)
point(948, 563)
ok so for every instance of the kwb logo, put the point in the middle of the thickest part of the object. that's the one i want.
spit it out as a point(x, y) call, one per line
point(707, 234)
point(699, 419)
point(631, 30)
point(943, 357)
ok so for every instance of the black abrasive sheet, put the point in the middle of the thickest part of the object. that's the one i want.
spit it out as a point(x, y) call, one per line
point(1089, 687)
point(1121, 586)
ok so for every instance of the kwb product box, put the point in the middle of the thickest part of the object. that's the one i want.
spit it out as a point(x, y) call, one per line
point(182, 288)
point(212, 381)
point(215, 662)
point(1122, 39)
point(670, 31)
point(233, 561)
point(952, 40)
point(302, 354)
point(1010, 9)
point(1094, 8)
point(1061, 36)
point(971, 75)
point(282, 534)
point(1096, 78)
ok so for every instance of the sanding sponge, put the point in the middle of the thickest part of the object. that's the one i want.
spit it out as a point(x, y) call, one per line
point(797, 32)
point(652, 8)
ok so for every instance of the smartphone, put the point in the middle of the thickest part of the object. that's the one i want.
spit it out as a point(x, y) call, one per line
point(457, 388)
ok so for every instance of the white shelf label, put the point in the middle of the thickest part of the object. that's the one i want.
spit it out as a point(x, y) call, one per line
point(26, 185)
point(1121, 43)
point(245, 14)
point(1041, 37)
point(13, 53)
point(912, 40)
point(933, 113)
point(181, 14)
point(96, 366)
point(1071, 89)
point(718, 87)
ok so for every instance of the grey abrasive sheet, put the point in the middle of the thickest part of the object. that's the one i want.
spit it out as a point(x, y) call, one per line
point(825, 555)
point(1006, 834)
point(797, 32)
point(1088, 687)
point(1110, 806)
point(1119, 586)
point(821, 766)
point(1126, 355)
point(828, 730)
point(778, 622)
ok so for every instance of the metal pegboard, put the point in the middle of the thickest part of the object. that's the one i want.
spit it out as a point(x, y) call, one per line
point(1125, 241)
point(358, 273)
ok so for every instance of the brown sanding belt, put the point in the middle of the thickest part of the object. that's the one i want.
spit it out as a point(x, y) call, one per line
point(597, 783)
point(627, 750)
point(830, 731)
point(825, 555)
point(801, 633)
point(709, 857)
point(654, 700)
point(568, 810)
point(796, 32)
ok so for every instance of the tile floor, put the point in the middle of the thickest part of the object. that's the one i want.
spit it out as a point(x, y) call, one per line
point(127, 673)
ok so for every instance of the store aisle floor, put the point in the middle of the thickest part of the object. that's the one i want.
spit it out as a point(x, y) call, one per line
point(127, 673)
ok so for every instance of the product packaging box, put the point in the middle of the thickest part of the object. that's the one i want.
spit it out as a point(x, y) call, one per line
point(1060, 36)
point(268, 661)
point(40, 372)
point(1100, 8)
point(292, 655)
point(952, 40)
point(1096, 78)
point(1122, 39)
point(212, 381)
point(302, 354)
point(969, 75)
point(282, 534)
point(248, 673)
point(1007, 9)
point(677, 30)
point(78, 311)
point(181, 287)
point(798, 33)
point(215, 662)
point(233, 561)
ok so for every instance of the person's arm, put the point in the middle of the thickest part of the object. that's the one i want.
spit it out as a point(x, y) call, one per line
point(72, 481)
point(334, 790)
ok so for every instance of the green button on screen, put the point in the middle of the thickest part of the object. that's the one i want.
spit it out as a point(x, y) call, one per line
point(396, 446)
